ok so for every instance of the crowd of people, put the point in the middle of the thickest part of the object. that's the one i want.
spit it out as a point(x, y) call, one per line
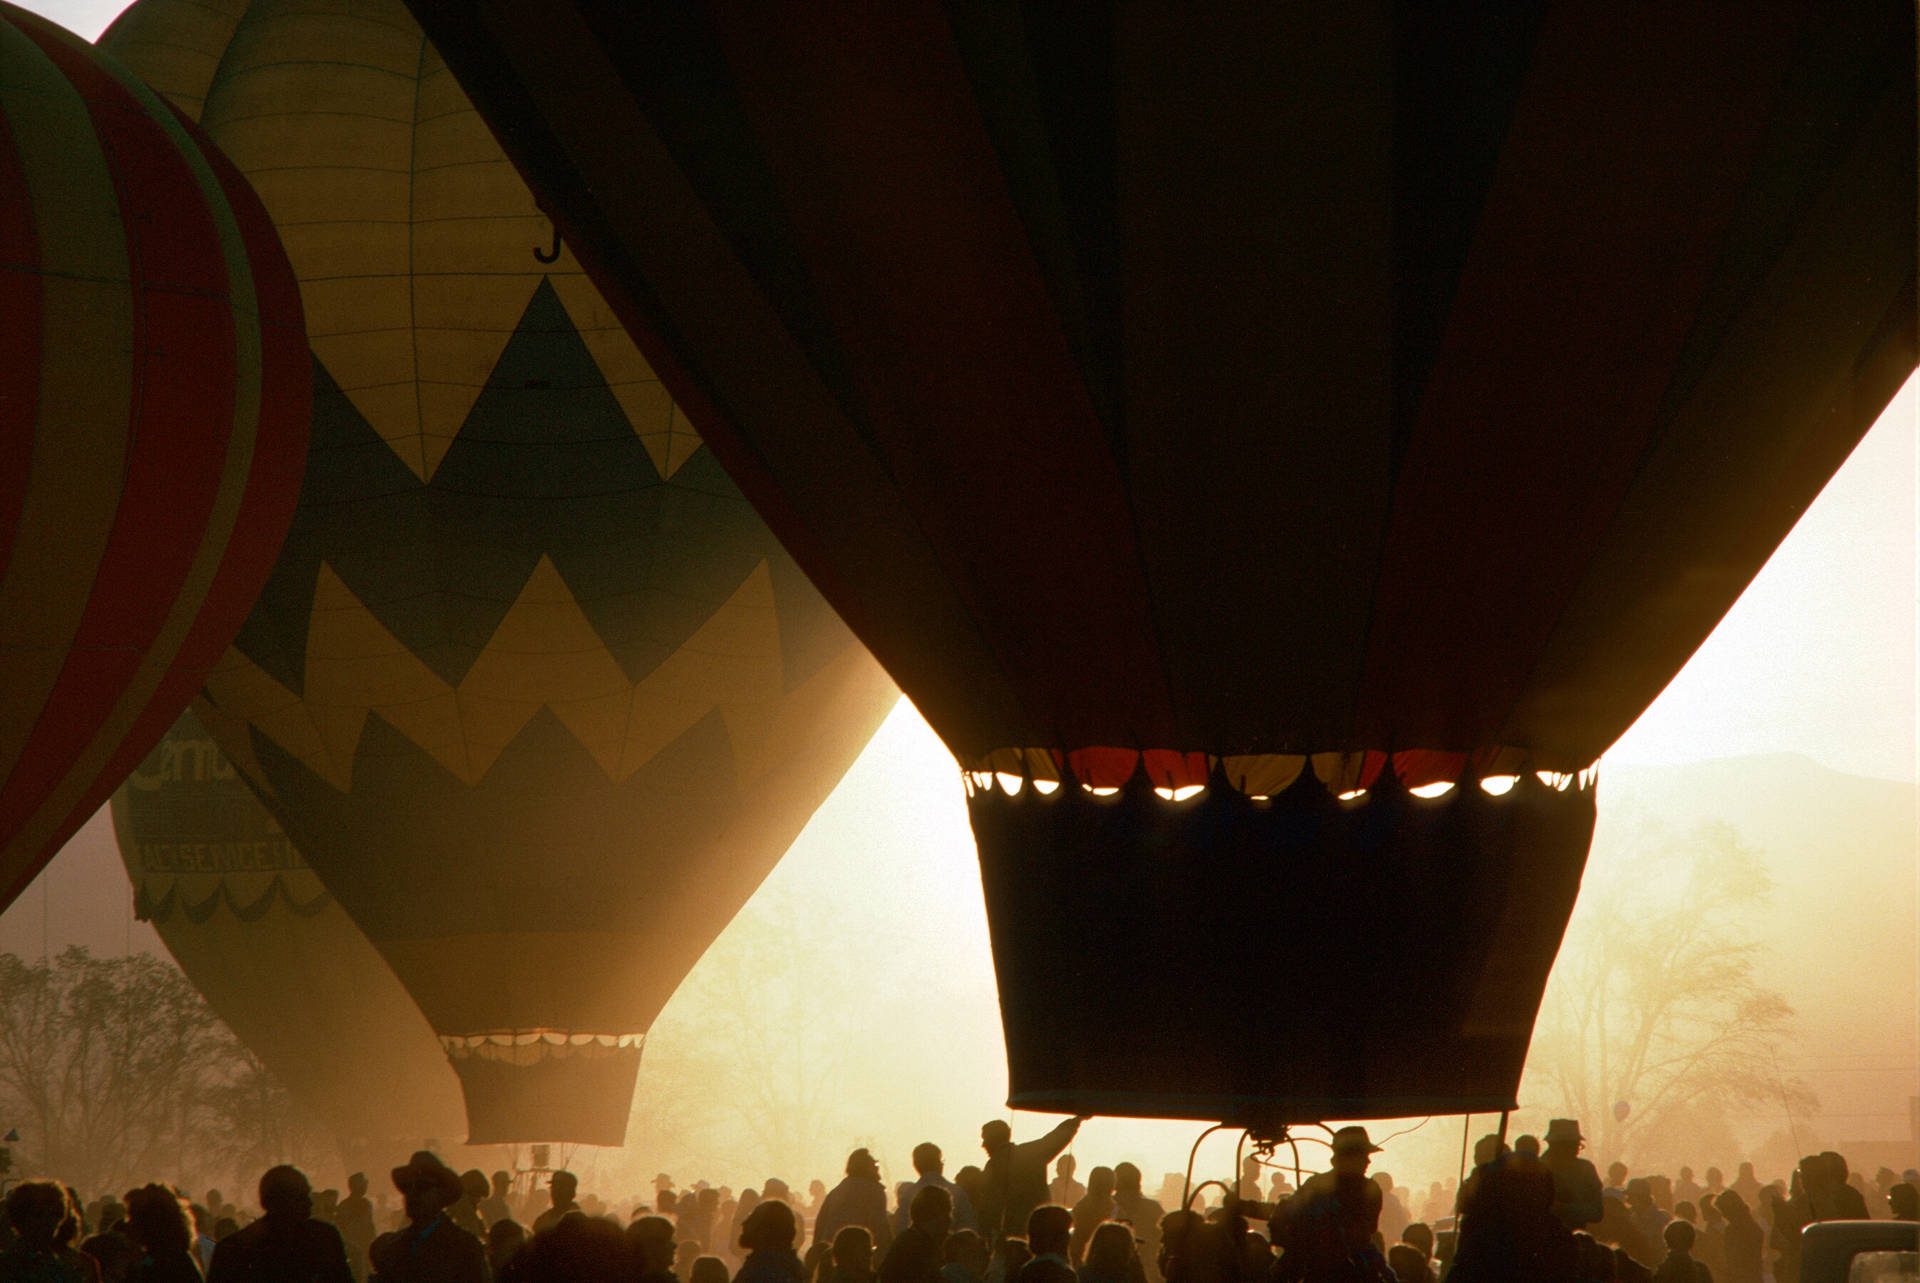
point(1530, 1211)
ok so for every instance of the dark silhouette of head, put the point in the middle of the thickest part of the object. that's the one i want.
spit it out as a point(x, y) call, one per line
point(1126, 1180)
point(927, 1159)
point(708, 1269)
point(473, 1184)
point(1617, 1174)
point(968, 1250)
point(1065, 1167)
point(427, 1185)
point(1016, 1252)
point(1408, 1263)
point(285, 1194)
point(35, 1209)
point(861, 1165)
point(581, 1249)
point(158, 1220)
point(1563, 1134)
point(652, 1240)
point(504, 1237)
point(502, 1183)
point(996, 1137)
point(932, 1211)
point(1353, 1151)
point(1100, 1182)
point(1903, 1201)
point(769, 1227)
point(1109, 1250)
point(1527, 1146)
point(853, 1250)
point(1730, 1205)
point(561, 1188)
point(1679, 1235)
point(1049, 1227)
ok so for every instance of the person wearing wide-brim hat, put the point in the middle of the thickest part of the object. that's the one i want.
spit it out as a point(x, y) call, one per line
point(431, 1249)
point(1576, 1183)
point(1326, 1229)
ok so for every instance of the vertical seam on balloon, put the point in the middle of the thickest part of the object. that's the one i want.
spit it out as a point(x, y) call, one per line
point(55, 83)
point(78, 791)
point(413, 280)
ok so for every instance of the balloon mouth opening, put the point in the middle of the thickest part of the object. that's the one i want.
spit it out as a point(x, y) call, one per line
point(1175, 777)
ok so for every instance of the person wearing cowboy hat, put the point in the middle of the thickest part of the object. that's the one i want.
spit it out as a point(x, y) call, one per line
point(1576, 1182)
point(431, 1248)
point(1326, 1229)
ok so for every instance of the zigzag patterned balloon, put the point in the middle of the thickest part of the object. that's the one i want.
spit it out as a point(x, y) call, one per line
point(532, 687)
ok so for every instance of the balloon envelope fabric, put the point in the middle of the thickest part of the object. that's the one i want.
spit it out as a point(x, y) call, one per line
point(153, 421)
point(1172, 395)
point(277, 957)
point(532, 688)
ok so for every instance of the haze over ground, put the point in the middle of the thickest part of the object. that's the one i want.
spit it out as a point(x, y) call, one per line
point(868, 947)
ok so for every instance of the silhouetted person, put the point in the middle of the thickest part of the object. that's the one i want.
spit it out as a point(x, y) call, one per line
point(1747, 1186)
point(1903, 1202)
point(561, 1187)
point(1680, 1265)
point(1143, 1213)
point(159, 1222)
point(354, 1219)
point(1049, 1227)
point(430, 1248)
point(928, 1165)
point(114, 1253)
point(288, 1244)
point(1015, 1178)
point(1325, 1230)
point(465, 1211)
point(918, 1253)
point(505, 1238)
point(1012, 1257)
point(578, 1249)
point(36, 1210)
point(1394, 1216)
point(708, 1269)
point(1616, 1179)
point(1065, 1190)
point(651, 1238)
point(699, 1221)
point(1784, 1230)
point(965, 1258)
point(1617, 1229)
point(767, 1238)
point(1509, 1233)
point(1408, 1265)
point(852, 1254)
point(1090, 1212)
point(859, 1199)
point(1110, 1256)
point(1647, 1215)
point(1685, 1189)
point(1576, 1184)
point(494, 1208)
point(1843, 1201)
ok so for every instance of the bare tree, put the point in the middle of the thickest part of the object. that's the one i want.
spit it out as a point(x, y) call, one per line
point(115, 1070)
point(1654, 1000)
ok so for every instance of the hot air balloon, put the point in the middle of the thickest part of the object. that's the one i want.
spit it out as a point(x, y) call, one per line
point(153, 421)
point(532, 688)
point(275, 955)
point(1232, 426)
